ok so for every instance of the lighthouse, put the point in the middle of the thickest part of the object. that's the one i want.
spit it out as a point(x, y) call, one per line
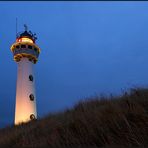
point(25, 54)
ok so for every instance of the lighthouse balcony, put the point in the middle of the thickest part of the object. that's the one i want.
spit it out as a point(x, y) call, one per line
point(32, 55)
point(25, 49)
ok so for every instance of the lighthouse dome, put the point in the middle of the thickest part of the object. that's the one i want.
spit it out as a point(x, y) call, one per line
point(25, 34)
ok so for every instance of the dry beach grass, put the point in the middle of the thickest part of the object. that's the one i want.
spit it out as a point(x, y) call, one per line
point(96, 122)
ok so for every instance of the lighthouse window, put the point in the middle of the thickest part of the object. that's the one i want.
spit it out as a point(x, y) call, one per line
point(23, 46)
point(30, 47)
point(32, 117)
point(30, 59)
point(35, 49)
point(17, 47)
point(31, 97)
point(30, 77)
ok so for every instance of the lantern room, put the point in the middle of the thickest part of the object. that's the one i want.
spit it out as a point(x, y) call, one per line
point(25, 46)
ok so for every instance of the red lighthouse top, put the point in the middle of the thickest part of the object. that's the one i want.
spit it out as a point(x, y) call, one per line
point(26, 36)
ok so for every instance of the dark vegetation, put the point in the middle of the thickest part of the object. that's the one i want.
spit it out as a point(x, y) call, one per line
point(96, 122)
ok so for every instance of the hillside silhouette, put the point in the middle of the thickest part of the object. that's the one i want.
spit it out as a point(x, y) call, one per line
point(116, 121)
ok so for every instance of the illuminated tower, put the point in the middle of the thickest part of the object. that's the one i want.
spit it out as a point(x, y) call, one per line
point(25, 53)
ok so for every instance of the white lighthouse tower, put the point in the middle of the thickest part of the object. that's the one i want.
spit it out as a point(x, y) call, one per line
point(25, 53)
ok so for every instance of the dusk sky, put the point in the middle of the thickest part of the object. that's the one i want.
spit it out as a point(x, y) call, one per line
point(87, 48)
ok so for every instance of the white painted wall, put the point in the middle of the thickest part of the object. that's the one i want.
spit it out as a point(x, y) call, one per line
point(24, 106)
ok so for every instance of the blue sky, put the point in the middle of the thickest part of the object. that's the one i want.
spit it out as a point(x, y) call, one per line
point(87, 48)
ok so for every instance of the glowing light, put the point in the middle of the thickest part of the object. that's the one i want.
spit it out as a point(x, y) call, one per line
point(24, 40)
